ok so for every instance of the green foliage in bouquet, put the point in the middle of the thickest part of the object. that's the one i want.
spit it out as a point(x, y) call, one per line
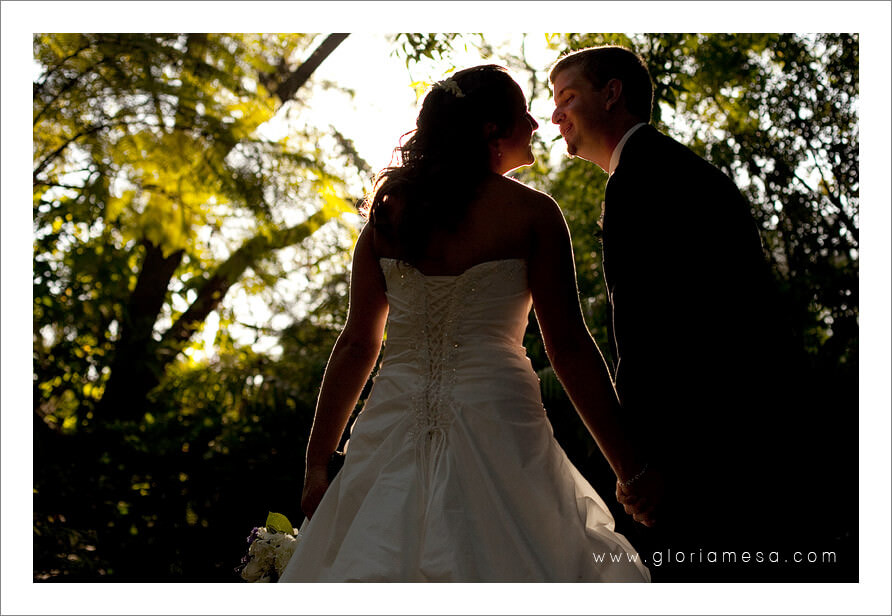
point(277, 522)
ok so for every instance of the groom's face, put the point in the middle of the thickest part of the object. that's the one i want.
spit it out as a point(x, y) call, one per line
point(578, 112)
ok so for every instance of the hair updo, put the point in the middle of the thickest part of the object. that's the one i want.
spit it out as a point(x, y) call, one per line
point(446, 159)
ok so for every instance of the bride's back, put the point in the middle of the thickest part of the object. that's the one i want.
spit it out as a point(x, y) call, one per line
point(498, 224)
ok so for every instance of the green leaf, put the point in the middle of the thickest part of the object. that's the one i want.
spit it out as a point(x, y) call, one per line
point(276, 522)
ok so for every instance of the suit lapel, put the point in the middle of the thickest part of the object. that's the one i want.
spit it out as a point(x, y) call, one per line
point(605, 252)
point(610, 233)
point(613, 194)
point(606, 230)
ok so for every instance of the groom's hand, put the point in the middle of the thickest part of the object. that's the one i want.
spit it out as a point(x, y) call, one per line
point(642, 499)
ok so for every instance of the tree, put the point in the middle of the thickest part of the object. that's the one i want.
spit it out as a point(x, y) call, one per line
point(141, 144)
point(146, 147)
point(161, 181)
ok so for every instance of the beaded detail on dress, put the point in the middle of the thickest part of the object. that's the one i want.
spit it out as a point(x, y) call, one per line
point(435, 307)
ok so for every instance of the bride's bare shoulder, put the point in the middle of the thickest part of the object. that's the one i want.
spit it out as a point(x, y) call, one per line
point(518, 195)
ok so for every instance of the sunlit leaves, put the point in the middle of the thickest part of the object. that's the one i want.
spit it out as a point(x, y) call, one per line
point(153, 140)
point(414, 46)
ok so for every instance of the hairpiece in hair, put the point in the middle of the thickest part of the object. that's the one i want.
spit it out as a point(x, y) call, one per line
point(449, 84)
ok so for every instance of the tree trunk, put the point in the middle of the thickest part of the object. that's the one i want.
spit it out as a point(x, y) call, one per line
point(134, 369)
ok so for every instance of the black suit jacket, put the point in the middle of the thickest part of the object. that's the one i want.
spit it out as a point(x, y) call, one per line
point(690, 321)
point(707, 369)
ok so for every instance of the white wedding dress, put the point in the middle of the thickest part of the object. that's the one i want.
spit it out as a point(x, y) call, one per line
point(452, 471)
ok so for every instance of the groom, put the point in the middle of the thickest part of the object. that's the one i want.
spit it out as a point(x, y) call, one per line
point(687, 285)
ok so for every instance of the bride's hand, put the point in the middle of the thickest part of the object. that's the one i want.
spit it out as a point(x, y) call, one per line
point(642, 499)
point(315, 485)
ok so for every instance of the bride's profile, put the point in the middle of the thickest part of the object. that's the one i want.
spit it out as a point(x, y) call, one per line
point(452, 471)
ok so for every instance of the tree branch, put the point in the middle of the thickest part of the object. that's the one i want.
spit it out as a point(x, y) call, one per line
point(832, 197)
point(227, 274)
point(37, 87)
point(298, 78)
point(68, 85)
point(46, 161)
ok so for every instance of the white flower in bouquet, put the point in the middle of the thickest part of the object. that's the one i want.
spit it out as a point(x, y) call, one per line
point(269, 550)
point(255, 571)
point(285, 551)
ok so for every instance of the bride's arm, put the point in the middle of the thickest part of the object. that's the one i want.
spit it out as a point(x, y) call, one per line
point(349, 366)
point(572, 351)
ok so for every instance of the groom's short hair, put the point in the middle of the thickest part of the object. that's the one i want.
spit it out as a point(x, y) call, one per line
point(601, 64)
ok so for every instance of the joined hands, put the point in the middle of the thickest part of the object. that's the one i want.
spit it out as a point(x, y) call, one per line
point(641, 498)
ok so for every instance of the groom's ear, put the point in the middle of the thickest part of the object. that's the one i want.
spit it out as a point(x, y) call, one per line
point(614, 89)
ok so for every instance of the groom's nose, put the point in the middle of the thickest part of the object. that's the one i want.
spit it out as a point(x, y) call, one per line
point(557, 116)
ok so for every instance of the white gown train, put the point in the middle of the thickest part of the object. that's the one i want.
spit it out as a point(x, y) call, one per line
point(452, 471)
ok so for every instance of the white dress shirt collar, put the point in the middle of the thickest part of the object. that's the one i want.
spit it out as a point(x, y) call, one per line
point(618, 150)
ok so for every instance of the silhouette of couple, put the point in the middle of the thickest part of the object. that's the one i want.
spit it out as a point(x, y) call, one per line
point(452, 472)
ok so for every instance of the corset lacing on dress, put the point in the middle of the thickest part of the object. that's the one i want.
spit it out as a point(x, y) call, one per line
point(435, 316)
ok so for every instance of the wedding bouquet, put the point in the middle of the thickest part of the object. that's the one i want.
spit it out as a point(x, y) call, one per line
point(269, 549)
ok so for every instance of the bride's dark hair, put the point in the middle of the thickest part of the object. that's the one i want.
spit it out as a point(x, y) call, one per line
point(446, 159)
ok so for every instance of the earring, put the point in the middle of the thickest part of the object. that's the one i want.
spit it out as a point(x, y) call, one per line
point(499, 153)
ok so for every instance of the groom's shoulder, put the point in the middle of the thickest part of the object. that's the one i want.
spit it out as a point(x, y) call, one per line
point(678, 152)
point(667, 145)
point(650, 141)
point(680, 159)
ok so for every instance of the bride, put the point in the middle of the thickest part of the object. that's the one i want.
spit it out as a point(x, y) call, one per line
point(452, 472)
